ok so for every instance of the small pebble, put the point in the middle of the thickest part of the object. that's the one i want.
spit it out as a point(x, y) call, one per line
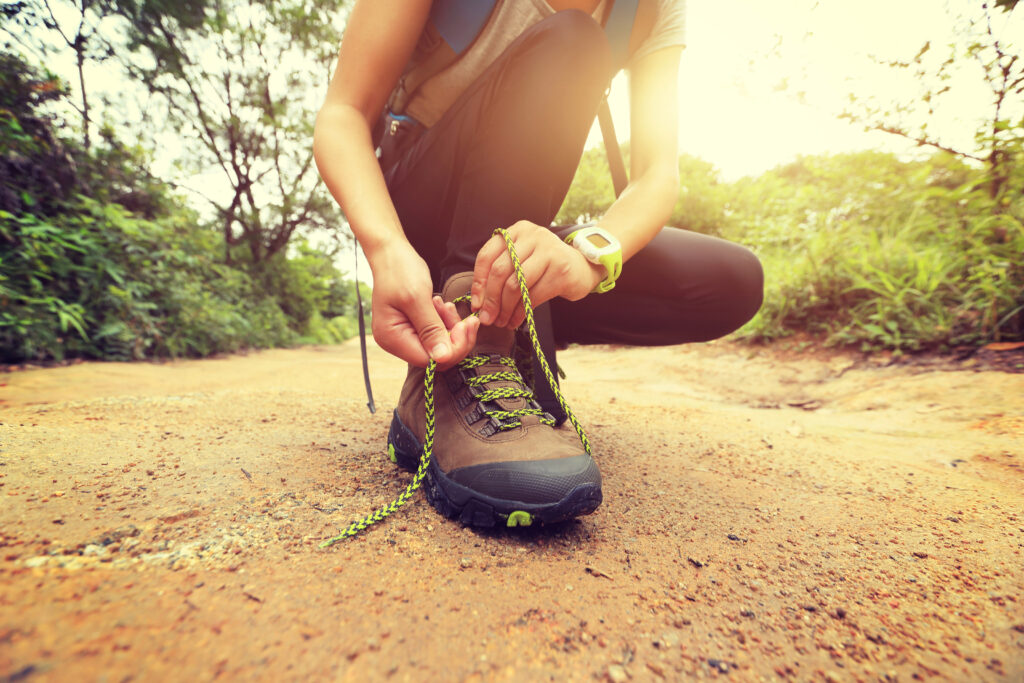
point(719, 664)
point(617, 674)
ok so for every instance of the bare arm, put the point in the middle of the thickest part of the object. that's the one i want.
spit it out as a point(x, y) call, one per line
point(646, 204)
point(379, 40)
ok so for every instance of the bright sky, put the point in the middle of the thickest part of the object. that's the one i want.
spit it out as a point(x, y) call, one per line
point(735, 111)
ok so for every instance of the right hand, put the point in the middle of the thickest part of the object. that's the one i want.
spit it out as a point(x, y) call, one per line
point(408, 321)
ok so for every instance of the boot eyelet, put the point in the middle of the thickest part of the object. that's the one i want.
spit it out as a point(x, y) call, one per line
point(476, 414)
point(467, 396)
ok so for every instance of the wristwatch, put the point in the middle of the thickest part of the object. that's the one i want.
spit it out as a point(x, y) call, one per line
point(601, 248)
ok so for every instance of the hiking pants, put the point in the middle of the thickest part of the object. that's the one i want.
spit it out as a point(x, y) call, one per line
point(507, 150)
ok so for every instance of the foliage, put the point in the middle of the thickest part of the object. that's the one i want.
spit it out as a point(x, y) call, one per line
point(36, 172)
point(999, 138)
point(874, 252)
point(125, 273)
point(591, 193)
point(862, 249)
point(243, 86)
point(306, 285)
point(699, 207)
point(40, 28)
point(100, 282)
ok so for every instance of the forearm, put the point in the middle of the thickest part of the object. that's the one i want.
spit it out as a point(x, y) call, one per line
point(347, 163)
point(643, 209)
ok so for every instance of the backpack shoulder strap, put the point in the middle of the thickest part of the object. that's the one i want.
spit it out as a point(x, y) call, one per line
point(460, 21)
point(618, 27)
point(457, 24)
point(616, 165)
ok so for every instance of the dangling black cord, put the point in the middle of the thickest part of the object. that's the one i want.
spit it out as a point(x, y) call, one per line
point(362, 340)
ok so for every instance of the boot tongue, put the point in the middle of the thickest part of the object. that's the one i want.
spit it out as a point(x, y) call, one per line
point(494, 341)
point(456, 287)
point(489, 340)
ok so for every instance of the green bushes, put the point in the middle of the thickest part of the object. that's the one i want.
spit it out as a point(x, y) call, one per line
point(98, 259)
point(860, 249)
point(872, 252)
point(99, 282)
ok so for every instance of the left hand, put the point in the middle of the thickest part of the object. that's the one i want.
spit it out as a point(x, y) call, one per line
point(551, 268)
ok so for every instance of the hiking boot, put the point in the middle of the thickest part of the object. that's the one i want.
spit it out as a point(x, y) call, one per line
point(496, 460)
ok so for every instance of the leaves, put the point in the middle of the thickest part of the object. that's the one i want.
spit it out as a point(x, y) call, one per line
point(933, 88)
point(241, 85)
point(125, 272)
point(875, 252)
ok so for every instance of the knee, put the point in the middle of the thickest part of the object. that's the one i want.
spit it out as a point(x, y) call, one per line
point(732, 293)
point(579, 42)
point(746, 284)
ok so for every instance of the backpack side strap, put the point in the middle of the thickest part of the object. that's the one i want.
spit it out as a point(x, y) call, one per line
point(618, 28)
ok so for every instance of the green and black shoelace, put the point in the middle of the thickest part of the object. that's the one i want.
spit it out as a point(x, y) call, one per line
point(509, 419)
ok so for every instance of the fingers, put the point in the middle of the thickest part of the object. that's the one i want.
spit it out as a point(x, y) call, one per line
point(493, 269)
point(449, 314)
point(431, 331)
point(512, 292)
point(462, 333)
point(492, 250)
point(463, 337)
point(400, 340)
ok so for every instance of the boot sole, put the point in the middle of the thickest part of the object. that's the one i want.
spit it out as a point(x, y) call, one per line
point(472, 508)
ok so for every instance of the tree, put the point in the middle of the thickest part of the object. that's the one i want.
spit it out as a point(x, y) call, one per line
point(999, 140)
point(36, 171)
point(245, 86)
point(591, 192)
point(77, 29)
point(41, 27)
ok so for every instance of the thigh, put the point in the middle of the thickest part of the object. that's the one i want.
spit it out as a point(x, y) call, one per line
point(682, 287)
point(508, 147)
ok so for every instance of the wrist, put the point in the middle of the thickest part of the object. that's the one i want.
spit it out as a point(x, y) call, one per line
point(385, 255)
point(602, 250)
point(597, 274)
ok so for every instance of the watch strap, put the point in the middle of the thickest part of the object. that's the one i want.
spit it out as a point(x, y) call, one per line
point(612, 263)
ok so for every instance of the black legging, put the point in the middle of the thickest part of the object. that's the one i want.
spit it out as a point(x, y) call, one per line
point(507, 150)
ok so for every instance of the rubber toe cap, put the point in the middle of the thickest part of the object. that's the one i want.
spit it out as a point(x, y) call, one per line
point(530, 481)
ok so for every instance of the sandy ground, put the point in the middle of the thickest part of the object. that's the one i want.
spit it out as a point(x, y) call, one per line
point(767, 516)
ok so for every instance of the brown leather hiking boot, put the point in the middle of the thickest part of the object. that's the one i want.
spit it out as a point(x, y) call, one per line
point(496, 456)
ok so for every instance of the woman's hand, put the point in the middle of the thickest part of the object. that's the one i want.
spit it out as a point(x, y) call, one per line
point(408, 321)
point(551, 267)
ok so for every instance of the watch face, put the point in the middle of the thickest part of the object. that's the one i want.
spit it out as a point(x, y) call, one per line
point(597, 240)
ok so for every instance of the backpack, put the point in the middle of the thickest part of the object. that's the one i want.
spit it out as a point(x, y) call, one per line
point(452, 29)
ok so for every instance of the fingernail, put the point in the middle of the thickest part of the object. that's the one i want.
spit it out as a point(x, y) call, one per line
point(438, 351)
point(486, 317)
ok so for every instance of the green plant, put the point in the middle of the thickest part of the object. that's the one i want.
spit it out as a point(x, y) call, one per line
point(903, 261)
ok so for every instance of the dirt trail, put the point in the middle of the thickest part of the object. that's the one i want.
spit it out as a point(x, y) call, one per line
point(766, 517)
